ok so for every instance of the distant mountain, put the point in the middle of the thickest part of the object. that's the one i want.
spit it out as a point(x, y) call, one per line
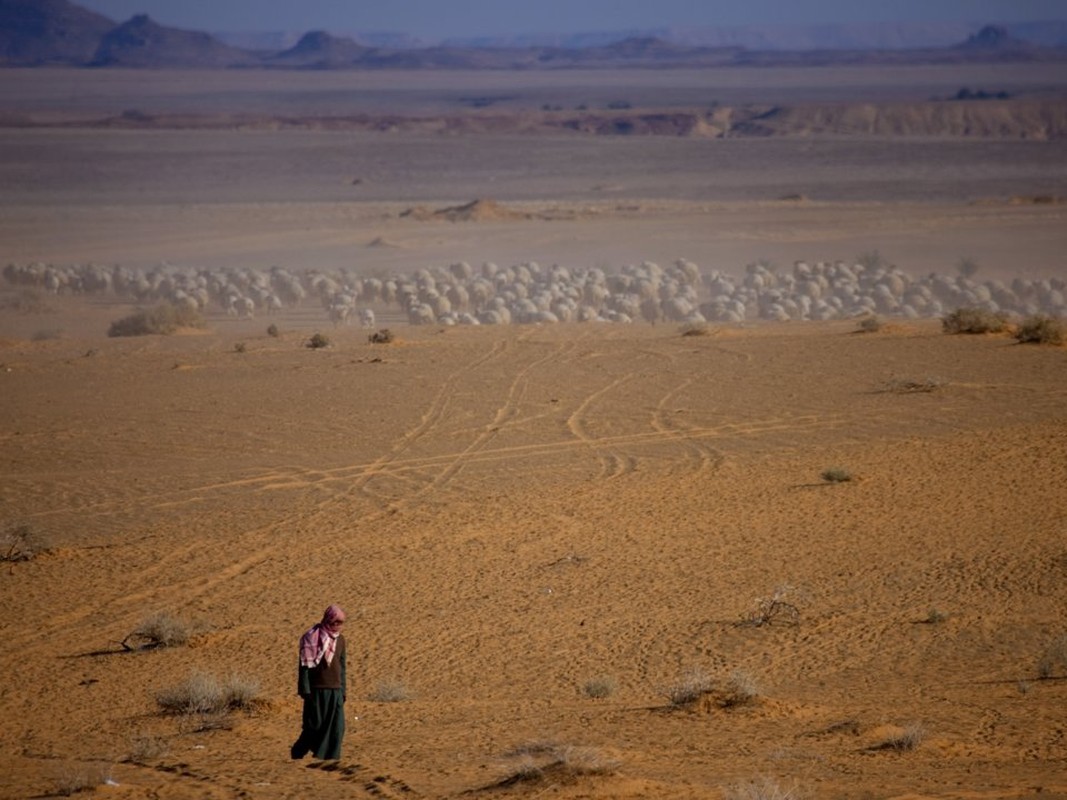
point(141, 42)
point(57, 32)
point(42, 32)
point(320, 50)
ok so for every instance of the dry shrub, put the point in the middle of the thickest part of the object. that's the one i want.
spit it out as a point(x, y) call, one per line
point(695, 329)
point(1041, 329)
point(384, 336)
point(871, 324)
point(906, 740)
point(164, 319)
point(836, 475)
point(74, 780)
point(159, 630)
point(741, 689)
point(205, 694)
point(19, 544)
point(145, 748)
point(762, 788)
point(390, 691)
point(318, 341)
point(775, 609)
point(974, 320)
point(539, 761)
point(686, 691)
point(913, 385)
point(599, 687)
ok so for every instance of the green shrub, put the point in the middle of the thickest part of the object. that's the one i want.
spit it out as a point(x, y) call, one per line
point(1041, 329)
point(974, 320)
point(164, 319)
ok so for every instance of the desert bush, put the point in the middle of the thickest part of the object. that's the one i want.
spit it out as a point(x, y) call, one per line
point(775, 609)
point(907, 739)
point(762, 788)
point(317, 341)
point(695, 329)
point(163, 319)
point(28, 301)
point(974, 320)
point(390, 691)
point(599, 687)
point(384, 336)
point(1053, 659)
point(913, 385)
point(205, 694)
point(741, 689)
point(546, 760)
point(46, 335)
point(145, 748)
point(836, 475)
point(19, 544)
point(272, 331)
point(158, 630)
point(688, 689)
point(240, 347)
point(1041, 329)
point(871, 324)
point(76, 779)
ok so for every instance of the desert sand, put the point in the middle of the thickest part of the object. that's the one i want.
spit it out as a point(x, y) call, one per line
point(517, 518)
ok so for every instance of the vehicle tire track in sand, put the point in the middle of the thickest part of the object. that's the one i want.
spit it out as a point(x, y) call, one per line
point(702, 458)
point(612, 465)
point(506, 412)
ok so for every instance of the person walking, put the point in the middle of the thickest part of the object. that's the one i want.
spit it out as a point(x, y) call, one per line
point(321, 683)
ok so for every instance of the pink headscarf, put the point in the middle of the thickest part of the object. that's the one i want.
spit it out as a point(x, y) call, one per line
point(319, 642)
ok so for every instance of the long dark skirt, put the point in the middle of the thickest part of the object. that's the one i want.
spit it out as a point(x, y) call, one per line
point(323, 725)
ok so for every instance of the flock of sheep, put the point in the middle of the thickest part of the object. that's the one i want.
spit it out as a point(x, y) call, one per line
point(529, 293)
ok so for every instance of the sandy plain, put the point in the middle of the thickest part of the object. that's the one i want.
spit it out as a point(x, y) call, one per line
point(511, 513)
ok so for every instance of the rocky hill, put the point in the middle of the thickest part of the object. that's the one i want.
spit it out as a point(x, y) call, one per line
point(141, 42)
point(42, 32)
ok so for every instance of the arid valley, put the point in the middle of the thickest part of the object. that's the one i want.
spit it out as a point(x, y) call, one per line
point(848, 545)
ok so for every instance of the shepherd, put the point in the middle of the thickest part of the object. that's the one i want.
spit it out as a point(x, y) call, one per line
point(321, 683)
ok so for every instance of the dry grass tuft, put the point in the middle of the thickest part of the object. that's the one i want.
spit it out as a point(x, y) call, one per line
point(542, 761)
point(390, 691)
point(205, 694)
point(318, 341)
point(974, 320)
point(599, 687)
point(690, 688)
point(906, 740)
point(384, 336)
point(913, 386)
point(164, 319)
point(159, 630)
point(836, 475)
point(19, 544)
point(762, 788)
point(1041, 329)
point(144, 749)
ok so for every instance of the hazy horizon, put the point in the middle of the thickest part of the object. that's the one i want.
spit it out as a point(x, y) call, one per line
point(473, 18)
